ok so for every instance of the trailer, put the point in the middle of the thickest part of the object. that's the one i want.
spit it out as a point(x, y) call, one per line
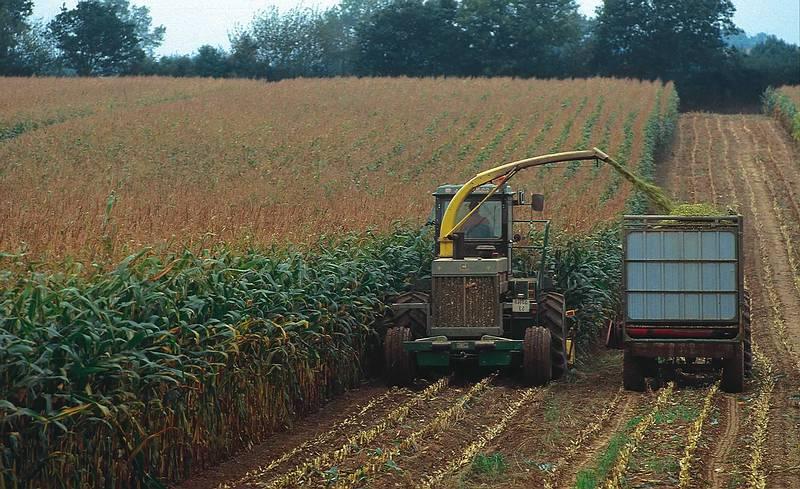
point(684, 301)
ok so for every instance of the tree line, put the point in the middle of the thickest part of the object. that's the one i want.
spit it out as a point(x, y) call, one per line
point(682, 40)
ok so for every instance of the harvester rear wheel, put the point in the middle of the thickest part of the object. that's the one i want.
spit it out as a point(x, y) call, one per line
point(555, 320)
point(536, 364)
point(399, 363)
point(414, 319)
point(632, 372)
point(733, 371)
point(748, 336)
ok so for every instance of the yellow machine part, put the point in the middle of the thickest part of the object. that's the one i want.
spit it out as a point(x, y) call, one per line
point(501, 173)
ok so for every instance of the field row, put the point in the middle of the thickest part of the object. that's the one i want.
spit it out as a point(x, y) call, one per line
point(756, 175)
point(493, 433)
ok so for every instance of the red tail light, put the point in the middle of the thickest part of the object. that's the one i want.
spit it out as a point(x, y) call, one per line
point(669, 332)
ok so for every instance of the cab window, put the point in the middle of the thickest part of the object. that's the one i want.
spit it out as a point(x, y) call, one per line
point(485, 223)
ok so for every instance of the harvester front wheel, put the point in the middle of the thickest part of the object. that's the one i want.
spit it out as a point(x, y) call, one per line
point(414, 319)
point(555, 320)
point(399, 362)
point(536, 364)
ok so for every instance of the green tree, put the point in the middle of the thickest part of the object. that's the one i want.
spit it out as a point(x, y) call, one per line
point(36, 53)
point(245, 60)
point(622, 38)
point(680, 40)
point(13, 25)
point(176, 65)
point(289, 42)
point(412, 37)
point(211, 62)
point(95, 40)
point(777, 61)
point(520, 37)
point(338, 30)
point(149, 37)
point(651, 38)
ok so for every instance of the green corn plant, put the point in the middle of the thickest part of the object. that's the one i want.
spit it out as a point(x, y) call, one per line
point(165, 365)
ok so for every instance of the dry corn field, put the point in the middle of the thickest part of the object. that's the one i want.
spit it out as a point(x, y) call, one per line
point(242, 371)
point(793, 92)
point(107, 166)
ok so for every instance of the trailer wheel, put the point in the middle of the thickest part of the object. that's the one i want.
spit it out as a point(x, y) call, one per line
point(399, 363)
point(414, 319)
point(649, 367)
point(733, 371)
point(536, 364)
point(632, 372)
point(748, 336)
point(554, 319)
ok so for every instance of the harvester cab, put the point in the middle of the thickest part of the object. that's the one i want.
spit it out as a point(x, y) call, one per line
point(480, 307)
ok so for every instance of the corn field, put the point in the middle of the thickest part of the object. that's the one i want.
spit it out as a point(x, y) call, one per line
point(152, 162)
point(189, 266)
point(784, 103)
point(163, 366)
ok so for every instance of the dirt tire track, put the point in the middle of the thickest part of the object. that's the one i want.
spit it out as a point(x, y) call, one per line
point(758, 171)
point(716, 467)
point(625, 412)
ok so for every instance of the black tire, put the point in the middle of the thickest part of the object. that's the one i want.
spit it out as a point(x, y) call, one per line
point(733, 371)
point(554, 319)
point(536, 364)
point(399, 363)
point(748, 336)
point(632, 372)
point(649, 367)
point(413, 319)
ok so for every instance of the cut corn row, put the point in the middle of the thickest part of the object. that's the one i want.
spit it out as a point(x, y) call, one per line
point(774, 301)
point(361, 438)
point(756, 478)
point(587, 433)
point(616, 474)
point(317, 441)
point(695, 432)
point(473, 448)
point(443, 419)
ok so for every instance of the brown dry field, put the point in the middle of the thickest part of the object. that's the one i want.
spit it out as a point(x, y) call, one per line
point(793, 92)
point(200, 162)
point(557, 436)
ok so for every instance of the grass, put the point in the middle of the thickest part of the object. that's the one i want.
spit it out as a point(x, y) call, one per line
point(491, 465)
point(553, 416)
point(680, 412)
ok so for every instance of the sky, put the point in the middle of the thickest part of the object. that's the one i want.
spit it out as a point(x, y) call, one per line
point(190, 24)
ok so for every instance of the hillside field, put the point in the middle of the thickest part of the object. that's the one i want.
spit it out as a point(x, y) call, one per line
point(101, 167)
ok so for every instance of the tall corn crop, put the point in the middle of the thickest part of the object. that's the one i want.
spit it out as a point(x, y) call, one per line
point(784, 104)
point(165, 366)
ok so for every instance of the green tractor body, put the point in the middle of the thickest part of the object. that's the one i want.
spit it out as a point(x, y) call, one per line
point(492, 303)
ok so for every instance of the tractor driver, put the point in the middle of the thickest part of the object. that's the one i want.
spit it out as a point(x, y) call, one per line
point(478, 226)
